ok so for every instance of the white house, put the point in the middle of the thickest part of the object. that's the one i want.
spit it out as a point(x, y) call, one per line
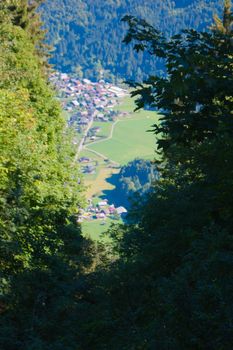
point(121, 210)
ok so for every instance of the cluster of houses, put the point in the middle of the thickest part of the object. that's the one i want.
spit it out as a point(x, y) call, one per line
point(86, 101)
point(88, 165)
point(101, 211)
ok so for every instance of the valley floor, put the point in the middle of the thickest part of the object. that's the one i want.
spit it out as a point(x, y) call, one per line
point(122, 141)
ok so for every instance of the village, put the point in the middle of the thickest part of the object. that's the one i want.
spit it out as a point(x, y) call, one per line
point(86, 101)
point(102, 211)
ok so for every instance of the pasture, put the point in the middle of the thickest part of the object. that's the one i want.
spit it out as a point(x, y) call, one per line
point(105, 128)
point(130, 139)
point(96, 230)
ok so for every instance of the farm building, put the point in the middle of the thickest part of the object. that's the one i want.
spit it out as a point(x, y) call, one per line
point(121, 210)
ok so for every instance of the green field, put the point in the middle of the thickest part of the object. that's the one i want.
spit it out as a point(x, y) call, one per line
point(130, 139)
point(96, 231)
point(104, 128)
point(127, 105)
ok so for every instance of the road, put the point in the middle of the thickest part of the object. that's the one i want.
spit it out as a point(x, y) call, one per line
point(81, 144)
point(106, 138)
point(103, 140)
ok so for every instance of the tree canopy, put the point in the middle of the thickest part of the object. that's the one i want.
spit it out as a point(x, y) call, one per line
point(43, 254)
point(171, 286)
point(87, 36)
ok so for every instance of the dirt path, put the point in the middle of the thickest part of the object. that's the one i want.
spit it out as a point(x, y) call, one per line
point(101, 155)
point(106, 138)
point(82, 146)
point(103, 140)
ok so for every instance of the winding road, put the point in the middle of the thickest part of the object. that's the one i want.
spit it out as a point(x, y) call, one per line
point(82, 146)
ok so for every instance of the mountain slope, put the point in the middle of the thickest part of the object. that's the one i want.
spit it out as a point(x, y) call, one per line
point(88, 36)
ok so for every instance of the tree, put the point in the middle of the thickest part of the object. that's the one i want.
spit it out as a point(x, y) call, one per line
point(225, 25)
point(24, 13)
point(43, 257)
point(133, 181)
point(195, 97)
point(171, 286)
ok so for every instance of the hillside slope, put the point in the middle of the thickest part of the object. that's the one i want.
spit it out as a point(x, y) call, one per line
point(88, 35)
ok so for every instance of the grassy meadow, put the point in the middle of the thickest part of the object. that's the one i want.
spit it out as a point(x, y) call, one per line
point(96, 230)
point(104, 128)
point(130, 139)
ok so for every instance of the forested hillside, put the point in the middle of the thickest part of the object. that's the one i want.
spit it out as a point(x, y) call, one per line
point(87, 35)
point(134, 181)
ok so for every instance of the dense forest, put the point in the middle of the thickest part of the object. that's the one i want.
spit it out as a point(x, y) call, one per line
point(87, 35)
point(133, 182)
point(165, 280)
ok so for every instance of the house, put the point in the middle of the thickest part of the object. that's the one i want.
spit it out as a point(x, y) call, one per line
point(93, 210)
point(89, 169)
point(95, 129)
point(83, 121)
point(117, 91)
point(121, 210)
point(105, 211)
point(100, 115)
point(103, 203)
point(111, 209)
point(64, 76)
point(101, 216)
point(75, 103)
point(86, 81)
point(84, 160)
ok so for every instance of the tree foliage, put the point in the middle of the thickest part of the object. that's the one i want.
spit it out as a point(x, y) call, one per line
point(134, 181)
point(171, 287)
point(42, 253)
